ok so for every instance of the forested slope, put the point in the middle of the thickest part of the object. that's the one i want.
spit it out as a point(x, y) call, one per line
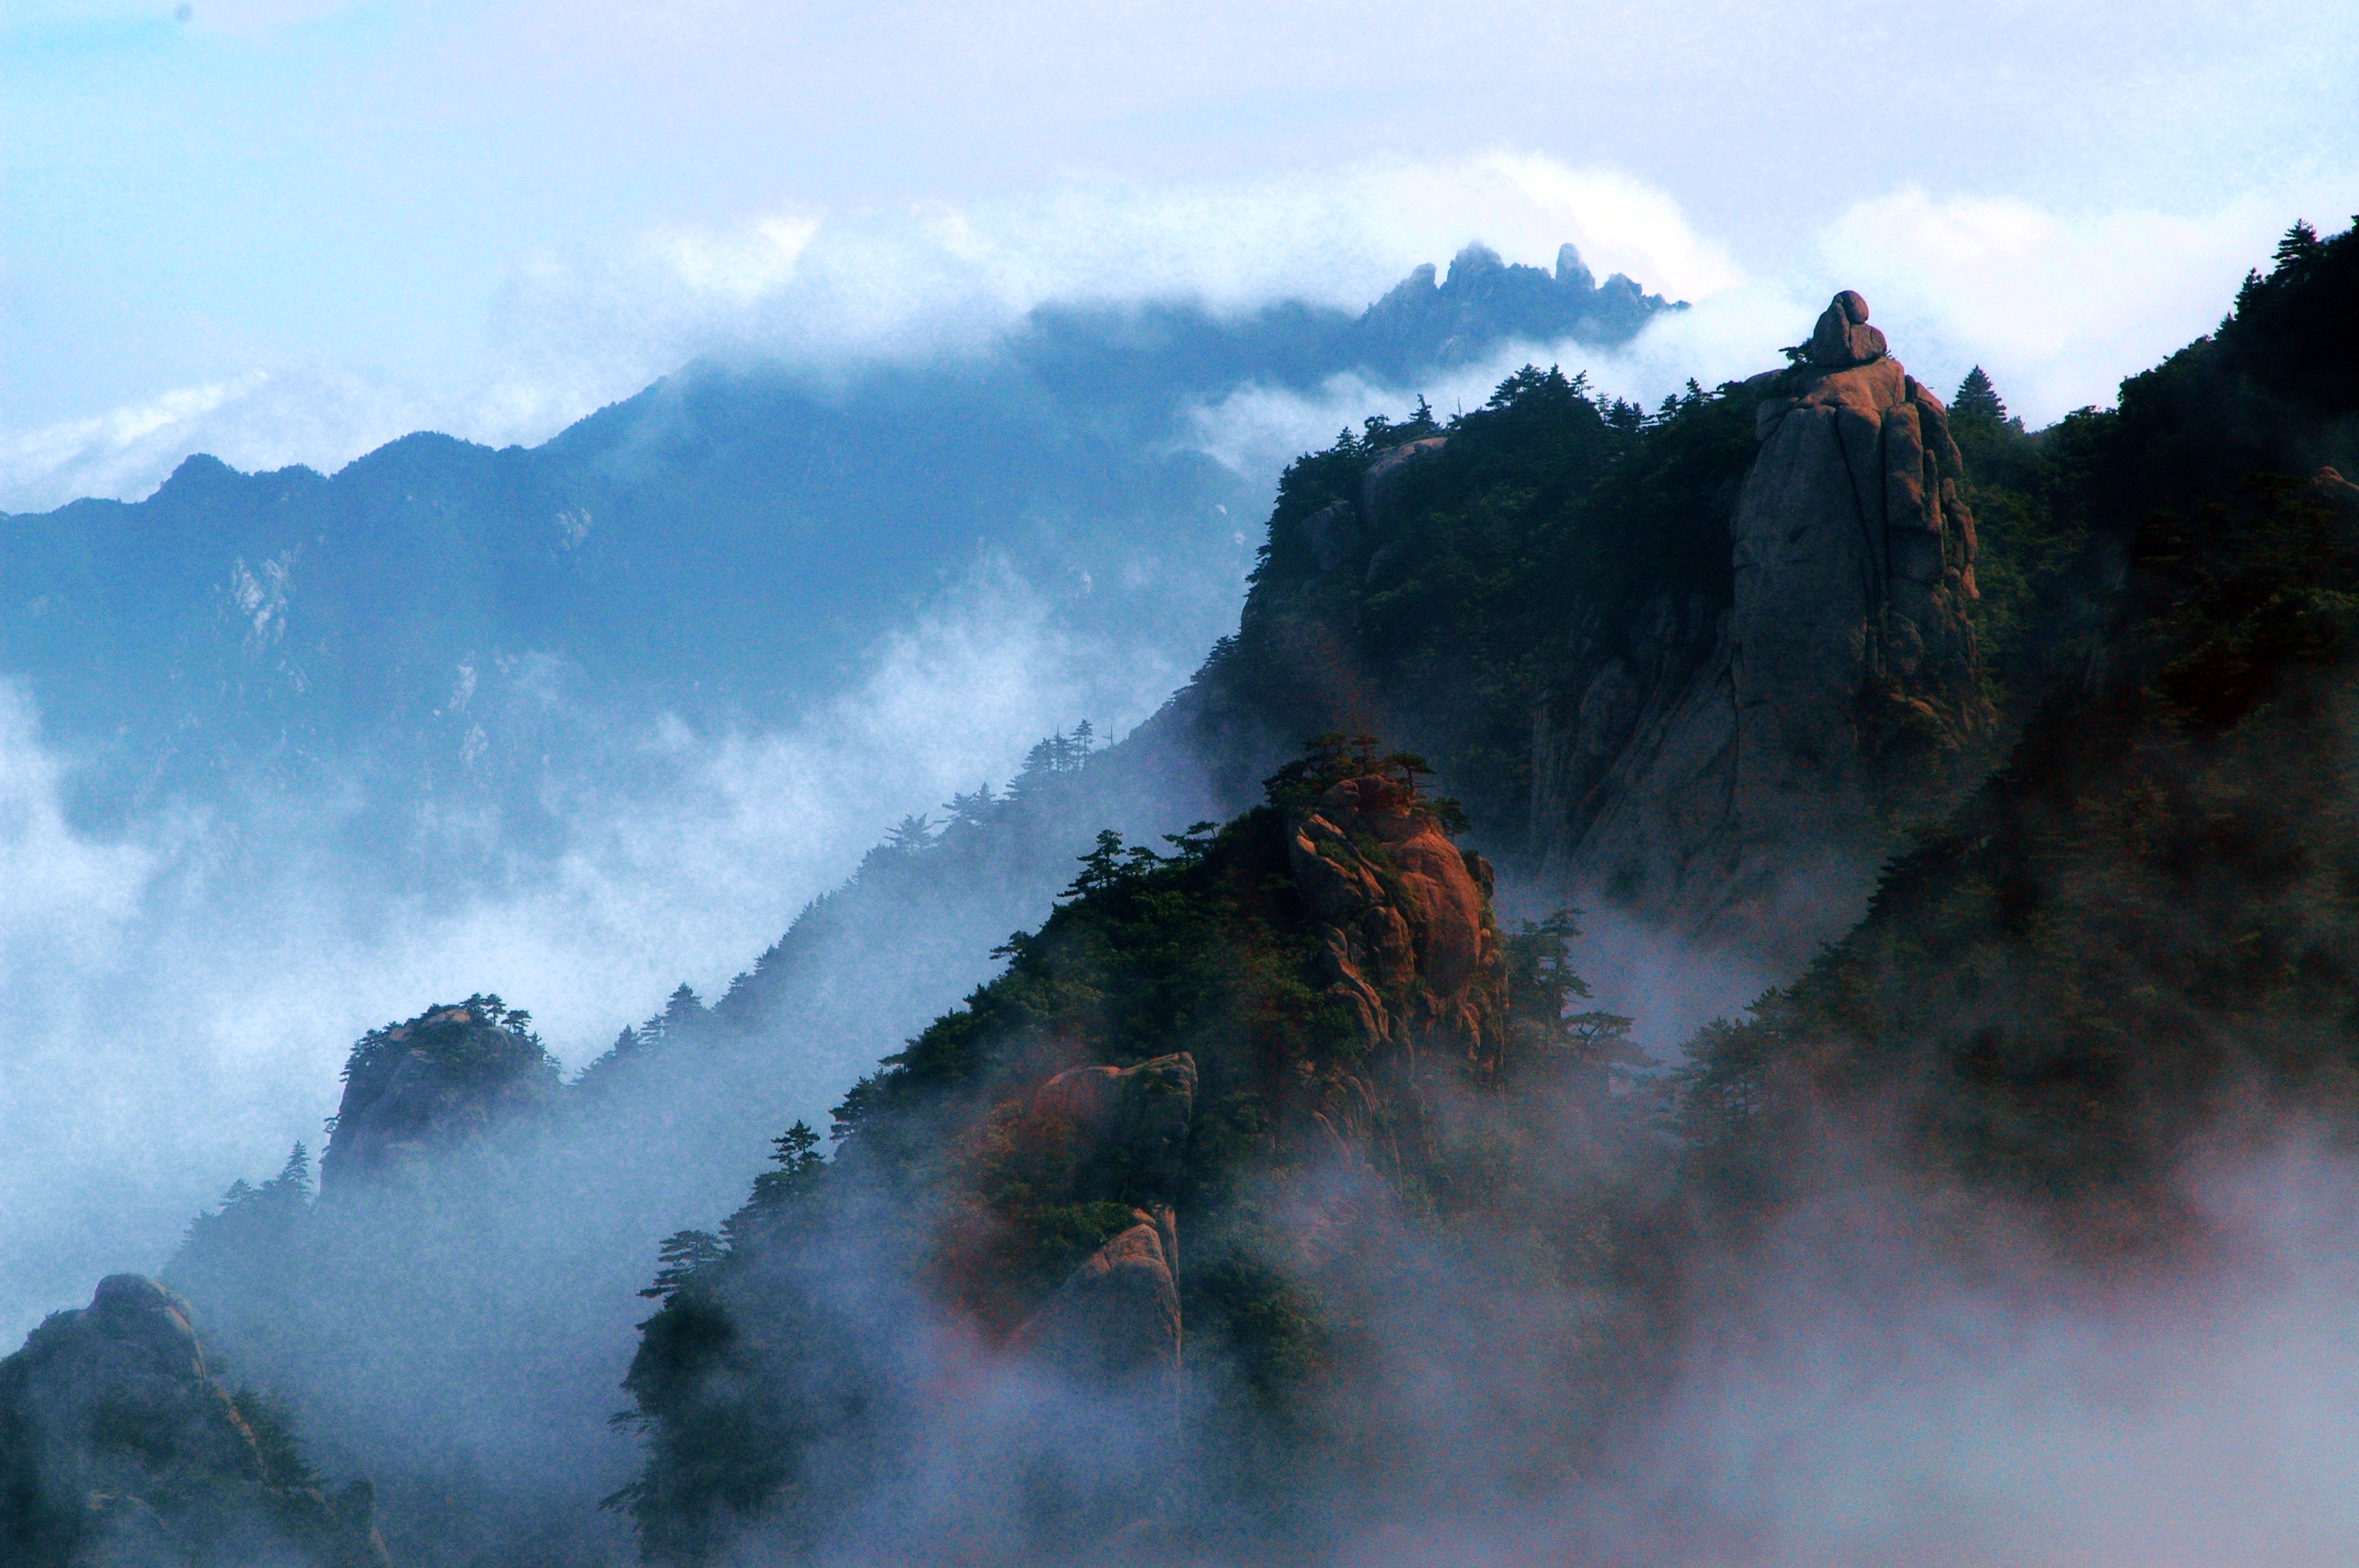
point(1274, 1193)
point(2149, 918)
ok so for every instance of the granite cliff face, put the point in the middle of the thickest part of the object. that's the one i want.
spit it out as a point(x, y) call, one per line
point(1404, 915)
point(1406, 950)
point(118, 1448)
point(445, 1077)
point(1737, 777)
point(1699, 665)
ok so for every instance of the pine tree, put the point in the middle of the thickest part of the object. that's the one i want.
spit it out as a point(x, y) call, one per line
point(1978, 399)
point(683, 1010)
point(2299, 247)
point(678, 1259)
point(971, 810)
point(292, 1186)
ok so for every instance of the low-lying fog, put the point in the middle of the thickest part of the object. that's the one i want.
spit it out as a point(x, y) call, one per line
point(180, 995)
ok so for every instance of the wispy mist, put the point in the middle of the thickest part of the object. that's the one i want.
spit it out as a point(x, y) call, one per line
point(182, 992)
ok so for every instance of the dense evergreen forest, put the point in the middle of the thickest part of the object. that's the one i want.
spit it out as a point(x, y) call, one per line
point(1278, 1193)
point(2144, 918)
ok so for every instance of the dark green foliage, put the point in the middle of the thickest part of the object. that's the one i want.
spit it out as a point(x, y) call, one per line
point(465, 1051)
point(253, 1242)
point(1551, 1034)
point(762, 1383)
point(1500, 571)
point(2154, 908)
point(1978, 400)
point(272, 1421)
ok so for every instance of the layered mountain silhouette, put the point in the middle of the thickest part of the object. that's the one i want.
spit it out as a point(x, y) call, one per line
point(439, 619)
point(1273, 1191)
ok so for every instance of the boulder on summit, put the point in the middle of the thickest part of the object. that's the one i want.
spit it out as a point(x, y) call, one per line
point(1842, 337)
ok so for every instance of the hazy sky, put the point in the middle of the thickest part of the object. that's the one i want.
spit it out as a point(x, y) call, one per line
point(293, 228)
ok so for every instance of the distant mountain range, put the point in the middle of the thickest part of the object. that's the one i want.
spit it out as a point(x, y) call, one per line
point(449, 622)
point(2091, 688)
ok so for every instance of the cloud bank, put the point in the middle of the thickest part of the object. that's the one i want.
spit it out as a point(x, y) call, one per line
point(2059, 304)
point(181, 995)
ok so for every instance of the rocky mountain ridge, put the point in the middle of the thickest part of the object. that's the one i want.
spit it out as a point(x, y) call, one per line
point(1342, 975)
point(1305, 1042)
point(445, 619)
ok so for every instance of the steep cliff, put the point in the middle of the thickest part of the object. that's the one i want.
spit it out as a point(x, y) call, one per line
point(1752, 796)
point(446, 1076)
point(2144, 929)
point(1129, 1217)
point(1701, 665)
point(118, 1448)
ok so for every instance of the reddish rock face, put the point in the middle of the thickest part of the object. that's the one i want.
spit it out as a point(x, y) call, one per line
point(1139, 1113)
point(1842, 336)
point(1404, 912)
point(1116, 1317)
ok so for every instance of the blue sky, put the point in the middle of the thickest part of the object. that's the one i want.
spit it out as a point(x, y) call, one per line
point(290, 229)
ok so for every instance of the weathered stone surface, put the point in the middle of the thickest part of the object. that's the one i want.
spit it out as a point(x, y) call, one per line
point(1404, 913)
point(1333, 533)
point(117, 1446)
point(1842, 336)
point(1384, 474)
point(1134, 1120)
point(1727, 778)
point(1115, 1323)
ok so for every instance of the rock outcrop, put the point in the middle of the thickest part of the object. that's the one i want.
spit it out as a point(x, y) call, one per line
point(1336, 532)
point(445, 1077)
point(1384, 474)
point(118, 1447)
point(1736, 780)
point(1115, 1323)
point(1404, 916)
point(1133, 1120)
point(1842, 337)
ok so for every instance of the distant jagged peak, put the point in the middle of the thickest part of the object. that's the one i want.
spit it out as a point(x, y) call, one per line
point(1473, 261)
point(1432, 317)
point(1571, 272)
point(1477, 268)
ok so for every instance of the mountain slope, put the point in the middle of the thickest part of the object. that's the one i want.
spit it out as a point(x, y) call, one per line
point(445, 618)
point(1263, 1054)
point(2147, 922)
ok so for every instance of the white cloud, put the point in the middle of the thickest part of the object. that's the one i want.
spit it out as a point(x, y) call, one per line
point(570, 331)
point(180, 995)
point(739, 267)
point(2057, 304)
